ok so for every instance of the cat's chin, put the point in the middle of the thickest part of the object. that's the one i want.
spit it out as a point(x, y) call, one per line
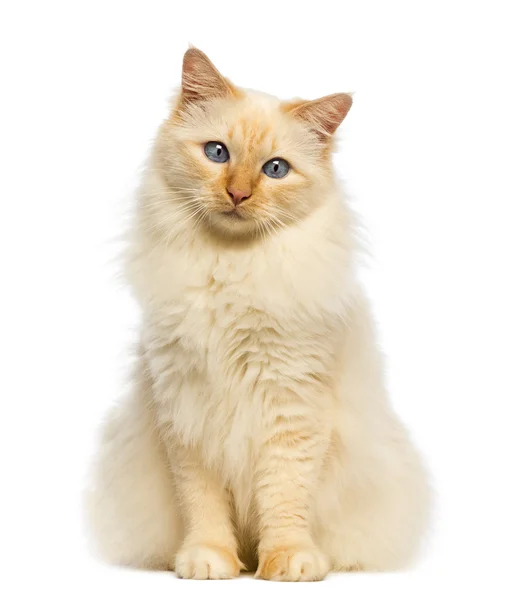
point(232, 215)
point(232, 224)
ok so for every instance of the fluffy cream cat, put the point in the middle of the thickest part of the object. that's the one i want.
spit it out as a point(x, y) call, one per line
point(258, 433)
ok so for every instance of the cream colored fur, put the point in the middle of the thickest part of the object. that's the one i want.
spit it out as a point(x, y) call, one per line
point(258, 432)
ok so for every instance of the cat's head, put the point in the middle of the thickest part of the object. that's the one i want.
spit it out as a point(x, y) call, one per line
point(243, 163)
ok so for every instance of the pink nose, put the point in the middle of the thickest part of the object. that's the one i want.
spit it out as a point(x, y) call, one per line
point(238, 196)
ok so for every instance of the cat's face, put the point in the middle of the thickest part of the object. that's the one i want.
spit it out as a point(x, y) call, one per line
point(241, 162)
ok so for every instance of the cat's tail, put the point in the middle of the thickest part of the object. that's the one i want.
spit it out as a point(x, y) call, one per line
point(130, 506)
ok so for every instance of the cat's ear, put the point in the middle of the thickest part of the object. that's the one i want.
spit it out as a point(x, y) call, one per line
point(323, 115)
point(201, 80)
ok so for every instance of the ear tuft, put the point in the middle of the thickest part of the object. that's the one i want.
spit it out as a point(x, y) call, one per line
point(323, 115)
point(201, 80)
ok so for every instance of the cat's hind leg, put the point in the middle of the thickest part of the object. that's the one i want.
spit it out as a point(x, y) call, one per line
point(130, 505)
point(374, 519)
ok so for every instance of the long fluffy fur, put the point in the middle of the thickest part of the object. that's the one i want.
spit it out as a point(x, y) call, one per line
point(258, 433)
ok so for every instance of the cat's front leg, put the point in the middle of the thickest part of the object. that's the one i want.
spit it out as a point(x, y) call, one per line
point(209, 549)
point(287, 474)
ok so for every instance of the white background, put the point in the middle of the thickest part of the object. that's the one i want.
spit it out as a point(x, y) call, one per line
point(432, 156)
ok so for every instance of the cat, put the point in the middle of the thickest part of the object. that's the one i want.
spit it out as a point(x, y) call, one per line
point(257, 434)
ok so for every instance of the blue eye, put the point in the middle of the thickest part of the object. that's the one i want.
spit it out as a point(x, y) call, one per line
point(216, 151)
point(276, 168)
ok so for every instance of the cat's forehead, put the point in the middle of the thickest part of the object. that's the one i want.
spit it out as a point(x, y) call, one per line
point(256, 121)
point(252, 124)
point(255, 110)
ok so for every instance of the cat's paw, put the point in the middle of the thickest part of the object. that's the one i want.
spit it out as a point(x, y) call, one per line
point(295, 563)
point(206, 561)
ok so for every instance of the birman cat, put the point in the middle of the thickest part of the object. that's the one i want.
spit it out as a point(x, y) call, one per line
point(257, 434)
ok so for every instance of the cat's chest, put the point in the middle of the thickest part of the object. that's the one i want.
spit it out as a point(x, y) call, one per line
point(206, 307)
point(221, 332)
point(227, 314)
point(212, 324)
